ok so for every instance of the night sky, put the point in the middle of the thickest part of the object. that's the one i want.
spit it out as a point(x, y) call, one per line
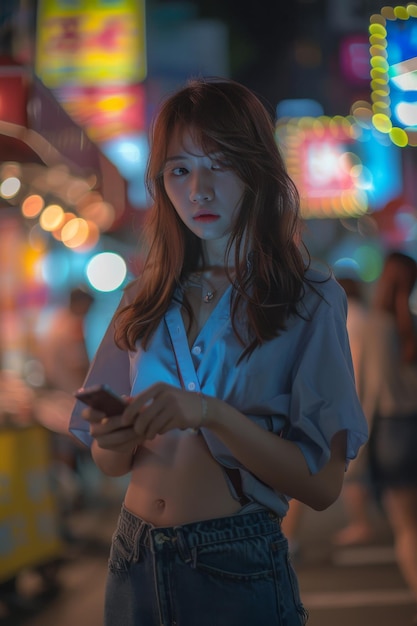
point(262, 38)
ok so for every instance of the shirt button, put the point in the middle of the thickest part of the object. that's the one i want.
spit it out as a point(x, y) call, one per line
point(196, 350)
point(191, 386)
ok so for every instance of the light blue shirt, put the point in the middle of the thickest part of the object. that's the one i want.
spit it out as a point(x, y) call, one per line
point(299, 385)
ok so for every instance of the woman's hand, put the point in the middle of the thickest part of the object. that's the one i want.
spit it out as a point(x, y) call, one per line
point(111, 433)
point(161, 408)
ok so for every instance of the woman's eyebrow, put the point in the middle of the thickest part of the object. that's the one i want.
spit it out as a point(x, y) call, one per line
point(179, 157)
point(175, 157)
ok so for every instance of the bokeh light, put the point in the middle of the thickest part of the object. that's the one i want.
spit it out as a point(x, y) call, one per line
point(75, 233)
point(370, 261)
point(32, 206)
point(10, 187)
point(51, 217)
point(106, 271)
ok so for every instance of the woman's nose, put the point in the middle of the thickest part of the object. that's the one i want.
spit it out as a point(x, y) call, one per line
point(201, 189)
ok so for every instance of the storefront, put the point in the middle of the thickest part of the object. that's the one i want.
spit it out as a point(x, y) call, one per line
point(57, 190)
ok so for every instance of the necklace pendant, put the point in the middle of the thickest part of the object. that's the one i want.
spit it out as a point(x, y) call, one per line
point(208, 297)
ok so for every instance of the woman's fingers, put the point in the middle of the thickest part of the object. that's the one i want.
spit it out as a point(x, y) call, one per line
point(166, 408)
point(141, 402)
point(113, 438)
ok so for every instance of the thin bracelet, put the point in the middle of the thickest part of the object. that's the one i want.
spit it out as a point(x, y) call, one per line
point(204, 411)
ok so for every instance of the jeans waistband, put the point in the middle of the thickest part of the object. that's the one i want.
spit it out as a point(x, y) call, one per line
point(198, 533)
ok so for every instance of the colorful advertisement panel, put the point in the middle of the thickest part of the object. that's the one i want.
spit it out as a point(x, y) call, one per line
point(88, 42)
point(106, 112)
point(393, 48)
point(342, 169)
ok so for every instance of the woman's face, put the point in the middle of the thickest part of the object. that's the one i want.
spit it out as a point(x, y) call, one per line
point(204, 191)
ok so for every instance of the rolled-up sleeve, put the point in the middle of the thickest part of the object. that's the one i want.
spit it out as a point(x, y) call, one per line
point(323, 396)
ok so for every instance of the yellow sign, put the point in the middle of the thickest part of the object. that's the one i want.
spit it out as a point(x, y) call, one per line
point(29, 524)
point(90, 42)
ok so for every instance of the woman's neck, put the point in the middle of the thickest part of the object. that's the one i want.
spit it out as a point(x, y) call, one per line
point(214, 253)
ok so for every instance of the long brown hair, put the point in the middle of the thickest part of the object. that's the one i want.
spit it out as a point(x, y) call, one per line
point(225, 117)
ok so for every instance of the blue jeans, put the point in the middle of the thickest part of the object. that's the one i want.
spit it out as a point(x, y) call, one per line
point(230, 571)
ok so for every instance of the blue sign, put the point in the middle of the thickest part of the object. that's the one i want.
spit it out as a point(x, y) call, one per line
point(402, 71)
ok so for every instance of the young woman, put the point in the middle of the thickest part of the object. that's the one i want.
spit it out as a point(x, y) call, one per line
point(236, 361)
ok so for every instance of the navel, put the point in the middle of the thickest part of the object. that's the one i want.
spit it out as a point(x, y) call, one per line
point(160, 505)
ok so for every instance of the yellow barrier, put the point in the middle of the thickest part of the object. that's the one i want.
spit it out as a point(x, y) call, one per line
point(29, 524)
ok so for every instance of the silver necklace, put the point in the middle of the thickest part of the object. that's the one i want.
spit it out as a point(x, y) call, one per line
point(208, 290)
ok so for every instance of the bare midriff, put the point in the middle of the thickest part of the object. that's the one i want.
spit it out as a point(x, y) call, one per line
point(175, 480)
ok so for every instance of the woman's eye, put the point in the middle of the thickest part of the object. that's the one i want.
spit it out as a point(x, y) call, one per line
point(179, 171)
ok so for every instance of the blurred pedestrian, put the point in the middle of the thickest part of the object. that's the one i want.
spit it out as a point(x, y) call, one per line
point(235, 356)
point(357, 496)
point(63, 354)
point(387, 387)
point(63, 349)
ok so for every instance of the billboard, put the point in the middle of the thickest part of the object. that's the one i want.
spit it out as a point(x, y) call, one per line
point(342, 166)
point(89, 42)
point(393, 47)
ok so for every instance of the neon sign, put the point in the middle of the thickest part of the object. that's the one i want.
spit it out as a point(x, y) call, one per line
point(320, 160)
point(342, 166)
point(393, 48)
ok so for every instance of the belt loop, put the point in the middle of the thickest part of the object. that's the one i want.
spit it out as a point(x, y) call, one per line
point(183, 549)
point(138, 540)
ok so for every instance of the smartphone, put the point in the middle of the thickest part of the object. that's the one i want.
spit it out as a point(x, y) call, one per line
point(102, 398)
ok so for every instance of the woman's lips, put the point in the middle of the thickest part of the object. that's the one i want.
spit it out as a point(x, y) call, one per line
point(207, 217)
